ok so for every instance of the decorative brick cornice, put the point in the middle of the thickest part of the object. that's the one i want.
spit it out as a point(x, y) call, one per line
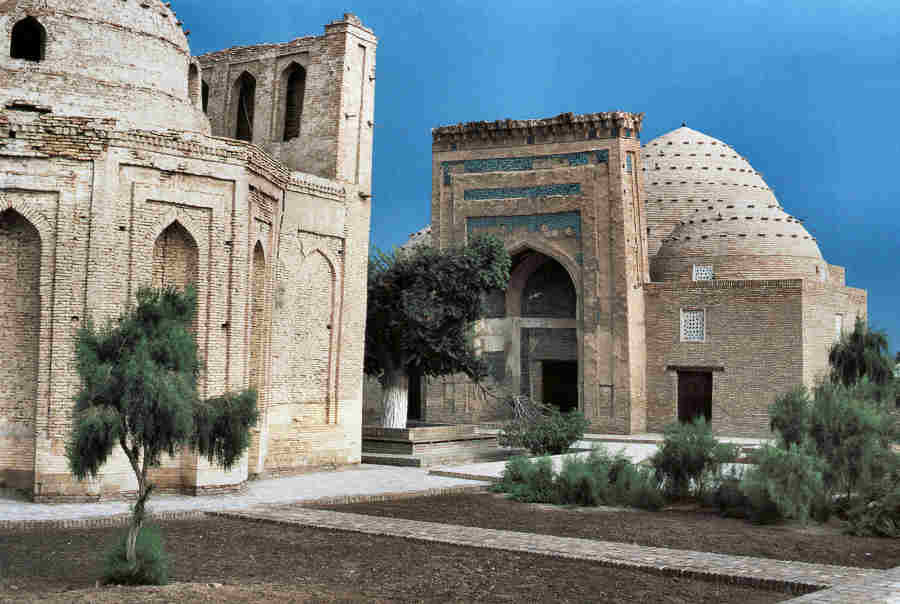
point(565, 123)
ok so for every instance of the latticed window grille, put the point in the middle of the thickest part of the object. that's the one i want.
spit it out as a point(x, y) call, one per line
point(629, 163)
point(703, 272)
point(838, 326)
point(693, 325)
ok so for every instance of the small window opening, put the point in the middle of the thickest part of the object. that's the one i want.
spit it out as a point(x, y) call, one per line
point(246, 100)
point(293, 107)
point(193, 84)
point(204, 96)
point(29, 38)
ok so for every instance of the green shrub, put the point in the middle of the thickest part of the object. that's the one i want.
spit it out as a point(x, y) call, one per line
point(551, 433)
point(537, 485)
point(599, 478)
point(689, 458)
point(852, 432)
point(877, 512)
point(643, 489)
point(790, 478)
point(789, 416)
point(151, 566)
point(578, 483)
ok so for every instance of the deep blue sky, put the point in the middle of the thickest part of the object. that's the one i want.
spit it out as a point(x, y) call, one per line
point(808, 91)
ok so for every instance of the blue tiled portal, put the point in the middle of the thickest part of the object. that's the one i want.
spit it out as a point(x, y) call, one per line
point(572, 188)
point(532, 222)
point(522, 164)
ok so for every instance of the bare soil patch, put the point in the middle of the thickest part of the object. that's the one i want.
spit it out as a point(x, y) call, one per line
point(219, 560)
point(684, 527)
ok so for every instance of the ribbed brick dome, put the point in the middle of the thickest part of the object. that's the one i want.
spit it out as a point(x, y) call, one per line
point(685, 172)
point(743, 240)
point(125, 59)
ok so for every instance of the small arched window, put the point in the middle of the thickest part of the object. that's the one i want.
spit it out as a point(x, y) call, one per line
point(29, 39)
point(204, 94)
point(245, 96)
point(294, 85)
point(194, 84)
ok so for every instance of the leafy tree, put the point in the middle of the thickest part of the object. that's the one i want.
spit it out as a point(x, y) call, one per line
point(139, 391)
point(861, 352)
point(420, 308)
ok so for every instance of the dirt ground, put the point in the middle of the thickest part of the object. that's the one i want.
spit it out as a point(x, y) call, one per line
point(687, 528)
point(223, 560)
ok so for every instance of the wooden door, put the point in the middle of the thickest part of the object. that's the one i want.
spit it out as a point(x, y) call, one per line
point(694, 395)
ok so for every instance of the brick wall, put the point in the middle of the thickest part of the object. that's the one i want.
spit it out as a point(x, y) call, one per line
point(752, 346)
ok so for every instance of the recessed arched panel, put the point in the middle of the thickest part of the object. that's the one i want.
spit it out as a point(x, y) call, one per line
point(175, 258)
point(20, 319)
point(257, 317)
point(294, 86)
point(28, 40)
point(194, 84)
point(244, 98)
point(549, 292)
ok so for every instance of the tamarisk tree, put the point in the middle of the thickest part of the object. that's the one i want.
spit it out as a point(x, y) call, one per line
point(139, 391)
point(420, 308)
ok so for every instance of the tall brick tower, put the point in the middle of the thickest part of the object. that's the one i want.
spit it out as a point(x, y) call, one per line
point(308, 102)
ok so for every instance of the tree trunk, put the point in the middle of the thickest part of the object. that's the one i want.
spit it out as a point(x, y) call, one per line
point(137, 519)
point(396, 399)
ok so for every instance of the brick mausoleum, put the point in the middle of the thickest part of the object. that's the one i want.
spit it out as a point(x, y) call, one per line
point(126, 162)
point(649, 284)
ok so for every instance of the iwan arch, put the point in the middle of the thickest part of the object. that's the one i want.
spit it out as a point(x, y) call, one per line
point(651, 283)
point(125, 162)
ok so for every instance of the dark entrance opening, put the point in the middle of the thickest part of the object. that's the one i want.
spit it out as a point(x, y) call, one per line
point(560, 384)
point(694, 395)
point(414, 396)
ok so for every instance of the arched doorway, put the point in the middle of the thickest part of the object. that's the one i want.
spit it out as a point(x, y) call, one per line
point(543, 296)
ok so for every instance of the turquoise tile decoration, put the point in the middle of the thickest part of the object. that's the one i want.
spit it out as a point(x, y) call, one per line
point(565, 189)
point(579, 258)
point(522, 164)
point(532, 222)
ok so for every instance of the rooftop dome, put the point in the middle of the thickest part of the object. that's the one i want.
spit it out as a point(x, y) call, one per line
point(685, 172)
point(123, 59)
point(743, 240)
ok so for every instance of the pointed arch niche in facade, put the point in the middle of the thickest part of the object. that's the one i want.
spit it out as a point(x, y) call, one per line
point(540, 286)
point(20, 299)
point(244, 99)
point(175, 258)
point(293, 83)
point(28, 40)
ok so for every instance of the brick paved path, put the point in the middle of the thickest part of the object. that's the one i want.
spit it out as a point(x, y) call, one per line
point(793, 577)
point(882, 588)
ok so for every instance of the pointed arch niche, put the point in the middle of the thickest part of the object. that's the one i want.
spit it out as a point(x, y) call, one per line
point(293, 83)
point(175, 258)
point(28, 40)
point(20, 319)
point(304, 334)
point(244, 100)
point(544, 297)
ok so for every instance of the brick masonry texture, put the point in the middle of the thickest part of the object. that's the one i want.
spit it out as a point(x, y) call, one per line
point(111, 181)
point(625, 225)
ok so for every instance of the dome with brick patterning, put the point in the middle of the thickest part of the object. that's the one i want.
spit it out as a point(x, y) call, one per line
point(122, 59)
point(685, 172)
point(708, 208)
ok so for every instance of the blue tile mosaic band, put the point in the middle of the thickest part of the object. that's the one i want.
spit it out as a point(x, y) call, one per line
point(521, 164)
point(566, 189)
point(533, 222)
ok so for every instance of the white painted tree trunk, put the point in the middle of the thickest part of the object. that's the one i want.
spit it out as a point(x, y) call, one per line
point(396, 399)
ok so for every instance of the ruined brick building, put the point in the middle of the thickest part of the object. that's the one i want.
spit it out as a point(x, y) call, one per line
point(126, 162)
point(649, 284)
